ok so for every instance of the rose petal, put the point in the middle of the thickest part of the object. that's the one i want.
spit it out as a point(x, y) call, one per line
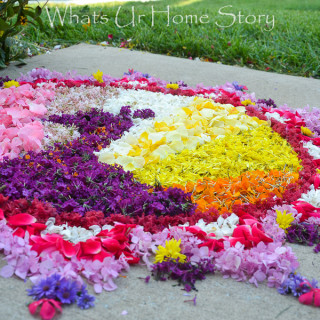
point(67, 248)
point(21, 219)
point(111, 245)
point(91, 247)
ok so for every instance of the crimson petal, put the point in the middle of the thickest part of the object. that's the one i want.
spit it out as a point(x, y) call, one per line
point(91, 247)
point(21, 219)
point(112, 245)
point(68, 249)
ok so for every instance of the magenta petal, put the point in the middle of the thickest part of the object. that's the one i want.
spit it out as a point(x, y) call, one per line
point(56, 304)
point(306, 298)
point(34, 305)
point(91, 247)
point(316, 181)
point(317, 297)
point(21, 219)
point(7, 271)
point(47, 311)
point(1, 214)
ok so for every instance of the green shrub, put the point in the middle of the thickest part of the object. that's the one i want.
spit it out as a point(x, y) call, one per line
point(14, 16)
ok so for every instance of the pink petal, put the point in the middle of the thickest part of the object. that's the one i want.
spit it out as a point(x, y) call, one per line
point(7, 271)
point(21, 219)
point(47, 311)
point(1, 214)
point(38, 109)
point(91, 247)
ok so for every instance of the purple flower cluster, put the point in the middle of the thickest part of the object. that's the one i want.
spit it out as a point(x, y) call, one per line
point(297, 285)
point(303, 233)
point(66, 291)
point(237, 86)
point(311, 118)
point(143, 114)
point(186, 273)
point(104, 125)
point(70, 177)
point(269, 103)
point(3, 80)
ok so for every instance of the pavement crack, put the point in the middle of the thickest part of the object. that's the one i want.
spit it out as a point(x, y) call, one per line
point(281, 312)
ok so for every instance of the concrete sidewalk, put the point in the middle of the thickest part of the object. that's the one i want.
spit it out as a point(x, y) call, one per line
point(87, 59)
point(217, 298)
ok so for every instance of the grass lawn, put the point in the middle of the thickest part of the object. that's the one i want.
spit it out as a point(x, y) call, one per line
point(288, 44)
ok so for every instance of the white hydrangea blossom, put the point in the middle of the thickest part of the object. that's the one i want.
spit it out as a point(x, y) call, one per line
point(276, 116)
point(72, 234)
point(314, 151)
point(221, 228)
point(57, 132)
point(163, 105)
point(312, 197)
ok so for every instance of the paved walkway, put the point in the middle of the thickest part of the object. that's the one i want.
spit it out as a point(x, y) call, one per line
point(217, 298)
point(86, 59)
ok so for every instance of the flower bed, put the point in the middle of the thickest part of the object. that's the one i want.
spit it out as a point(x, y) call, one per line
point(98, 174)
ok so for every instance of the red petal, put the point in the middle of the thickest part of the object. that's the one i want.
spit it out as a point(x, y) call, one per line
point(306, 298)
point(21, 219)
point(101, 255)
point(316, 181)
point(19, 232)
point(47, 311)
point(241, 232)
point(1, 214)
point(34, 305)
point(91, 247)
point(67, 248)
point(261, 235)
point(111, 245)
point(39, 226)
point(316, 141)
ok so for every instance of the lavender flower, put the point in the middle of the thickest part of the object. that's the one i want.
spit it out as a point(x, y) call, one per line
point(297, 285)
point(303, 233)
point(3, 80)
point(269, 103)
point(237, 86)
point(44, 289)
point(85, 301)
point(143, 114)
point(64, 290)
point(186, 273)
point(67, 291)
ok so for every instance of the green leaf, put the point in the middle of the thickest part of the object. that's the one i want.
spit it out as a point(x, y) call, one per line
point(38, 11)
point(3, 25)
point(10, 12)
